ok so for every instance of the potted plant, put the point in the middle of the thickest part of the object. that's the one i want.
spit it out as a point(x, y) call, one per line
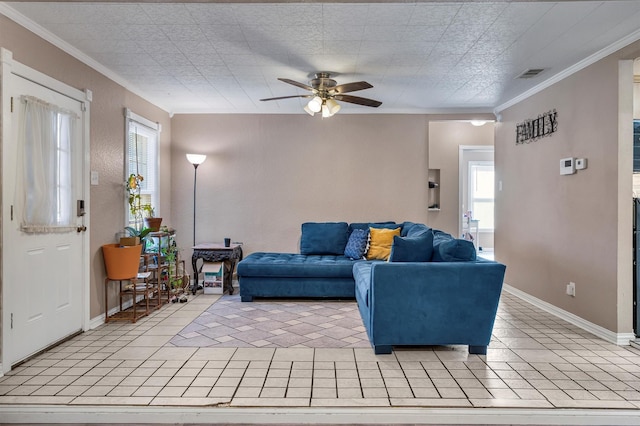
point(150, 220)
point(141, 212)
point(135, 236)
point(176, 275)
point(121, 262)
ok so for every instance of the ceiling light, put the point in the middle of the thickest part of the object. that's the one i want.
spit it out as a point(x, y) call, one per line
point(326, 113)
point(332, 106)
point(308, 110)
point(315, 104)
point(478, 123)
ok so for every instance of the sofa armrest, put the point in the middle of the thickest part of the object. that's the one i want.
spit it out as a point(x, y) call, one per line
point(448, 302)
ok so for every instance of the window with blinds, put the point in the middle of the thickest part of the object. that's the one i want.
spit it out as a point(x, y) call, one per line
point(142, 159)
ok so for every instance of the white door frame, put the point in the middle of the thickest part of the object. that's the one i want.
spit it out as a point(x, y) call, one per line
point(461, 150)
point(9, 69)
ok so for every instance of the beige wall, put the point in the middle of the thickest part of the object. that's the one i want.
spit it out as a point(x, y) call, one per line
point(267, 174)
point(106, 208)
point(445, 139)
point(553, 229)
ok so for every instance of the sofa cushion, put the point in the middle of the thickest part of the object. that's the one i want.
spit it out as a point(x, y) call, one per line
point(385, 225)
point(417, 230)
point(440, 236)
point(357, 244)
point(454, 250)
point(406, 227)
point(262, 264)
point(380, 242)
point(362, 277)
point(412, 249)
point(323, 238)
point(367, 225)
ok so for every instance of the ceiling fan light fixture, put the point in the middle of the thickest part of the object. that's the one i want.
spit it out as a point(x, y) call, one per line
point(326, 113)
point(332, 106)
point(308, 110)
point(315, 104)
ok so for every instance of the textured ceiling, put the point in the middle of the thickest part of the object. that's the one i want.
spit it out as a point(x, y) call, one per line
point(422, 57)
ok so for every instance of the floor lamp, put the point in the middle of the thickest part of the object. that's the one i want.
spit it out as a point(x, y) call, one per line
point(196, 160)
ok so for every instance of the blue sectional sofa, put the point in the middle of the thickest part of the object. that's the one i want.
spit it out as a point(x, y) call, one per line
point(430, 291)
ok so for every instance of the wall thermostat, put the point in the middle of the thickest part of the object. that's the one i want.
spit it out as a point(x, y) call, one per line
point(567, 166)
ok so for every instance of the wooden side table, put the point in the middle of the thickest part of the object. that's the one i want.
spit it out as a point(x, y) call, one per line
point(216, 252)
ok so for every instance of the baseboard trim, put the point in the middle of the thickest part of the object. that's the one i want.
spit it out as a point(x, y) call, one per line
point(316, 415)
point(619, 339)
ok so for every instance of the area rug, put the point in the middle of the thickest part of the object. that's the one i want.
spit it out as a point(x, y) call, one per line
point(280, 323)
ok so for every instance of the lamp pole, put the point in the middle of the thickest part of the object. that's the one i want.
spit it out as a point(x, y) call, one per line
point(195, 182)
point(196, 160)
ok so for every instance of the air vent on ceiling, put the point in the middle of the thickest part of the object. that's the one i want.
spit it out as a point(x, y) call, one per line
point(530, 73)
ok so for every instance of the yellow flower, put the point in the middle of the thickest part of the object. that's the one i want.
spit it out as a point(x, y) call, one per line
point(134, 181)
point(133, 184)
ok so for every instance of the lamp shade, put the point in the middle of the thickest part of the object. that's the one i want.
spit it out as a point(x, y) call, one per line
point(325, 111)
point(333, 107)
point(308, 110)
point(196, 159)
point(315, 104)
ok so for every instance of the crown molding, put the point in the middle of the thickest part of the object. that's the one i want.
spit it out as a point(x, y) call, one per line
point(48, 36)
point(590, 60)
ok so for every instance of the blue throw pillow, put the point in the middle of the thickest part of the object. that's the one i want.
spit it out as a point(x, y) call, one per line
point(357, 244)
point(454, 250)
point(412, 249)
point(323, 238)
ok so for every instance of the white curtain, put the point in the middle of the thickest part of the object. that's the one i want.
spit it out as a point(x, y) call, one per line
point(44, 185)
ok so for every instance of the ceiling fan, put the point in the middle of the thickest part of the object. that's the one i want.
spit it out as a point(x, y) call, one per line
point(325, 91)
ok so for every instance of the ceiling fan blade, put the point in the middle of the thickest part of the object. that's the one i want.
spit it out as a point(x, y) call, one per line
point(358, 100)
point(295, 83)
point(287, 97)
point(351, 87)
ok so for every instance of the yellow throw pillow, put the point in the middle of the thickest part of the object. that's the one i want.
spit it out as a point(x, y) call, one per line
point(380, 242)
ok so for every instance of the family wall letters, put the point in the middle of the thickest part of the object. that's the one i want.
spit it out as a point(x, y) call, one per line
point(532, 130)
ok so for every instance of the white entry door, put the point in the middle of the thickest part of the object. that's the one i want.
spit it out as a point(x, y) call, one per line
point(43, 288)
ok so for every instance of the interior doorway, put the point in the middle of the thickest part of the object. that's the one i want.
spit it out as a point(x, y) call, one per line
point(477, 196)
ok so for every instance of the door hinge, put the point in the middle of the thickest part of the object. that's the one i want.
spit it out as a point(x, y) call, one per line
point(12, 213)
point(12, 320)
point(12, 104)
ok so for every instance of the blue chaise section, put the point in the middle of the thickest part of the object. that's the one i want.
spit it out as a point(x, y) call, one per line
point(295, 275)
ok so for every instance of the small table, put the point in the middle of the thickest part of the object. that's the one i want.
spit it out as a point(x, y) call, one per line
point(216, 252)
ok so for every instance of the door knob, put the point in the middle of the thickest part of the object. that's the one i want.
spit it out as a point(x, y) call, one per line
point(81, 228)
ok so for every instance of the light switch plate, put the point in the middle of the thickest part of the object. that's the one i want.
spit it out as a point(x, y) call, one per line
point(581, 163)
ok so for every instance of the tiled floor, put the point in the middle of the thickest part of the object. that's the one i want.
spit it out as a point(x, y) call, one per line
point(535, 361)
